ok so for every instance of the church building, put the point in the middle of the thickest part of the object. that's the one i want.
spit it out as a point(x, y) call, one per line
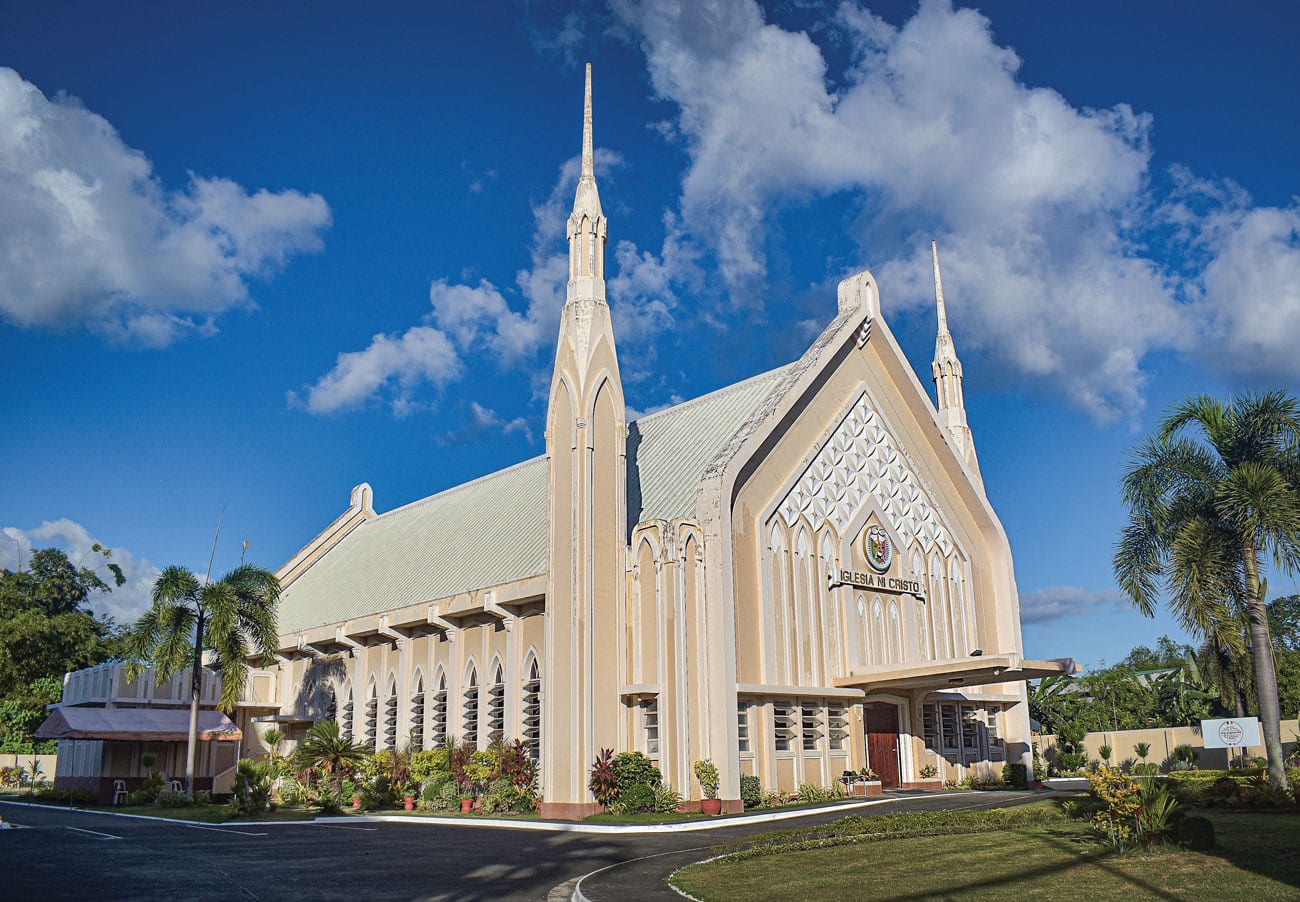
point(794, 576)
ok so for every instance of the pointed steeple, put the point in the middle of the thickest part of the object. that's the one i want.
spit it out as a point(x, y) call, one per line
point(947, 374)
point(586, 229)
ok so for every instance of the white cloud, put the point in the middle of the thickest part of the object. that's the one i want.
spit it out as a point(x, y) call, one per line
point(392, 366)
point(125, 603)
point(1058, 602)
point(483, 421)
point(1043, 210)
point(91, 237)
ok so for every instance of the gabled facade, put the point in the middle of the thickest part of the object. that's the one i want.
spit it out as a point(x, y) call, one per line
point(794, 576)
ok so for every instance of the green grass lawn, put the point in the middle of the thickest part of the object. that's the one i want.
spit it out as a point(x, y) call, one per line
point(1257, 858)
point(208, 814)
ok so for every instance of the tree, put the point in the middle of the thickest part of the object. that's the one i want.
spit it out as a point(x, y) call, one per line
point(327, 751)
point(45, 631)
point(233, 617)
point(1209, 496)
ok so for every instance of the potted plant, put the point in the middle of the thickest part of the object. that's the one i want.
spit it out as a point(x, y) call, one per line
point(707, 773)
point(408, 802)
point(466, 803)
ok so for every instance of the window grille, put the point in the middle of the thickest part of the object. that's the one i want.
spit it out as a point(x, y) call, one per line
point(970, 729)
point(838, 722)
point(471, 710)
point(533, 713)
point(347, 719)
point(930, 725)
point(742, 725)
point(951, 726)
point(497, 707)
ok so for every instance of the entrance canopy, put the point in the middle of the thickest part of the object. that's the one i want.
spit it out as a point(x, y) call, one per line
point(978, 670)
point(136, 725)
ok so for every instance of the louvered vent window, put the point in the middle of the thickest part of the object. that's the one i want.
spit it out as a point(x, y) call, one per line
point(372, 719)
point(471, 710)
point(497, 707)
point(742, 725)
point(811, 723)
point(533, 713)
point(417, 717)
point(838, 722)
point(930, 726)
point(390, 720)
point(439, 731)
point(783, 726)
point(347, 720)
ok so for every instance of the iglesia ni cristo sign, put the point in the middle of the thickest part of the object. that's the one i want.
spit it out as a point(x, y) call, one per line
point(878, 582)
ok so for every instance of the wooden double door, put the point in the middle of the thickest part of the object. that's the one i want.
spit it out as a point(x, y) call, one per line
point(881, 723)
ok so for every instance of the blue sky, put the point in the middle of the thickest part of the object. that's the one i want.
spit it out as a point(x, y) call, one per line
point(247, 262)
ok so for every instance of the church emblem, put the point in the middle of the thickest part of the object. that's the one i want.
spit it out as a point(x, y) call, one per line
point(878, 548)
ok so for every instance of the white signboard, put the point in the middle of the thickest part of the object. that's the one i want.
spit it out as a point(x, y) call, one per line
point(1233, 733)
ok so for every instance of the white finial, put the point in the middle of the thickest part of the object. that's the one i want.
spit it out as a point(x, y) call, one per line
point(588, 155)
point(938, 288)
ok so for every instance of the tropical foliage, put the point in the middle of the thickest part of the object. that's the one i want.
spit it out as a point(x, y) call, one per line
point(1212, 498)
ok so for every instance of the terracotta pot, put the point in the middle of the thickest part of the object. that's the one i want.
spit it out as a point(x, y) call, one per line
point(356, 803)
point(711, 807)
point(408, 802)
point(466, 805)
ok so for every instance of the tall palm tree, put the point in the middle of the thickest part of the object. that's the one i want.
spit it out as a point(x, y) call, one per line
point(1204, 510)
point(234, 617)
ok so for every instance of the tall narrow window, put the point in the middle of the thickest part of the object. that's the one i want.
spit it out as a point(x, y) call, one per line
point(811, 727)
point(532, 711)
point(837, 719)
point(347, 715)
point(951, 725)
point(331, 704)
point(497, 706)
point(742, 725)
point(650, 725)
point(930, 726)
point(470, 720)
point(438, 737)
point(417, 715)
point(783, 726)
point(390, 717)
point(372, 718)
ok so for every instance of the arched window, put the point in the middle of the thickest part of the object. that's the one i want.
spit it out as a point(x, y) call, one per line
point(533, 712)
point(781, 606)
point(348, 707)
point(877, 631)
point(958, 603)
point(438, 728)
point(895, 633)
point(829, 603)
point(939, 612)
point(390, 716)
point(470, 718)
point(922, 611)
point(372, 717)
point(417, 714)
point(496, 713)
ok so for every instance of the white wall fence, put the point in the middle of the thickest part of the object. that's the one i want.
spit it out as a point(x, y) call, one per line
point(1162, 740)
point(46, 762)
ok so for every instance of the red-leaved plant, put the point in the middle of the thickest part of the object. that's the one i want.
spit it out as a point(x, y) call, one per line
point(604, 779)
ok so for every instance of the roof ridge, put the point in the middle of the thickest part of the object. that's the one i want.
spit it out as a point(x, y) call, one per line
point(450, 490)
point(717, 392)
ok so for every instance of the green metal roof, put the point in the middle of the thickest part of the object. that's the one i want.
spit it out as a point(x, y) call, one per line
point(493, 530)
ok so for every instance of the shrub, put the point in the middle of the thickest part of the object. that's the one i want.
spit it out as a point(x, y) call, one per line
point(69, 796)
point(1015, 775)
point(1147, 769)
point(503, 795)
point(169, 799)
point(604, 780)
point(751, 791)
point(253, 785)
point(929, 771)
point(1142, 749)
point(202, 797)
point(424, 765)
point(1119, 794)
point(1183, 757)
point(433, 788)
point(635, 768)
point(707, 773)
point(811, 793)
point(667, 799)
point(1105, 752)
point(148, 793)
point(1196, 833)
point(635, 798)
point(1158, 815)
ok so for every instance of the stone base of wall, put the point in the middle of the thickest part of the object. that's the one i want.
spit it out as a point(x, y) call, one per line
point(866, 789)
point(922, 784)
point(729, 806)
point(569, 811)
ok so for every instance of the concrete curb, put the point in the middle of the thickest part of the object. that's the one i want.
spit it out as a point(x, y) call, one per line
point(619, 829)
point(151, 817)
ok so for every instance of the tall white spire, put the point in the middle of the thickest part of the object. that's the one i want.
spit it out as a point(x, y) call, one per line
point(587, 225)
point(947, 374)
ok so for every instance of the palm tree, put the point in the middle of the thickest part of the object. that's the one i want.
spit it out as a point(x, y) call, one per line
point(234, 617)
point(327, 750)
point(1204, 510)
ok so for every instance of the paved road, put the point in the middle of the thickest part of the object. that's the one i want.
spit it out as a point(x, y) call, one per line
point(79, 855)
